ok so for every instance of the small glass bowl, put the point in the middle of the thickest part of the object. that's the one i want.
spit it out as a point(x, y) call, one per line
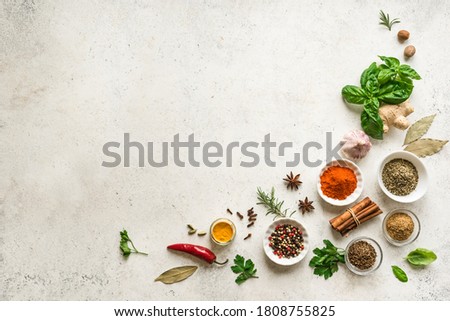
point(220, 220)
point(413, 236)
point(378, 259)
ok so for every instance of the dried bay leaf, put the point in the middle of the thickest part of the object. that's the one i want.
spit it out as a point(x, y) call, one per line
point(418, 129)
point(177, 274)
point(426, 146)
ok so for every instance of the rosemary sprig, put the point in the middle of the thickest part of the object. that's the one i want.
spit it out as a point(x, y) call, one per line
point(272, 203)
point(385, 20)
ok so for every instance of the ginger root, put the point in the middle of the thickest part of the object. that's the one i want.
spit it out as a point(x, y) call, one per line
point(395, 115)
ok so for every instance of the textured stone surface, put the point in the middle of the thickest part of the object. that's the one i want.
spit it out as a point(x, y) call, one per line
point(77, 74)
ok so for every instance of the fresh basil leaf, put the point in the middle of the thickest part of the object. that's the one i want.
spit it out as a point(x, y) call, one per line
point(354, 94)
point(399, 273)
point(371, 70)
point(395, 92)
point(372, 85)
point(391, 62)
point(386, 75)
point(407, 72)
point(421, 257)
point(372, 124)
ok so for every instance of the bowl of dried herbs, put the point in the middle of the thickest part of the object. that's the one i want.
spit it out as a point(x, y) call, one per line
point(363, 256)
point(403, 177)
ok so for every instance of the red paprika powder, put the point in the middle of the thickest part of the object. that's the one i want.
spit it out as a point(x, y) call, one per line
point(338, 182)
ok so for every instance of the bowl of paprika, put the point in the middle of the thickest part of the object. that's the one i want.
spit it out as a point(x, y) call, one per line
point(340, 182)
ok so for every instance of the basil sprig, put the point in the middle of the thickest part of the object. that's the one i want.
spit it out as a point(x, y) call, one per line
point(421, 257)
point(387, 83)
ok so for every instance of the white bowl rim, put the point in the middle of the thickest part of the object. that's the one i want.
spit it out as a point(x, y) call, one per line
point(359, 187)
point(422, 185)
point(268, 249)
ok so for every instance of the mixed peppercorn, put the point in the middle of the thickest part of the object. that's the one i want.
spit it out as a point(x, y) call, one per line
point(286, 241)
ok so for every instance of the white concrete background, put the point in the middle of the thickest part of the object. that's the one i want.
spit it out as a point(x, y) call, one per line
point(77, 74)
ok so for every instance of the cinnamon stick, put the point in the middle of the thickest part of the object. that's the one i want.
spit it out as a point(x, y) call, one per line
point(359, 215)
point(365, 210)
point(353, 226)
point(338, 220)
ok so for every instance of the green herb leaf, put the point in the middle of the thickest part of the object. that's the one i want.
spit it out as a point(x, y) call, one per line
point(371, 121)
point(354, 94)
point(124, 247)
point(386, 75)
point(372, 86)
point(325, 261)
point(406, 71)
point(177, 274)
point(372, 70)
point(389, 83)
point(273, 205)
point(386, 21)
point(418, 129)
point(399, 273)
point(245, 269)
point(391, 62)
point(395, 92)
point(421, 257)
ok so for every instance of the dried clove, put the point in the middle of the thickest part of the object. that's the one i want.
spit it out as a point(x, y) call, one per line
point(248, 236)
point(248, 225)
point(228, 210)
point(240, 215)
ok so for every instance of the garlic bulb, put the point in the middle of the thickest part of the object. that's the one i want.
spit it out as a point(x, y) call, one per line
point(355, 144)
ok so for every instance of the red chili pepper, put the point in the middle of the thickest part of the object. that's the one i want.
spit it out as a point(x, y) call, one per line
point(198, 251)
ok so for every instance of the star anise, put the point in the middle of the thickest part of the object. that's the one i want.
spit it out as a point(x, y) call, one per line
point(305, 206)
point(292, 181)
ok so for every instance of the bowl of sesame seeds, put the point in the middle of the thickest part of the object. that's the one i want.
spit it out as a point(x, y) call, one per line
point(286, 241)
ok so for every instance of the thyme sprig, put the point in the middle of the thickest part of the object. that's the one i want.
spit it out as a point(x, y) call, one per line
point(385, 20)
point(273, 205)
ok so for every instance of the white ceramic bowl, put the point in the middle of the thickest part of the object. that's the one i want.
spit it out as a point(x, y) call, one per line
point(422, 185)
point(269, 251)
point(356, 193)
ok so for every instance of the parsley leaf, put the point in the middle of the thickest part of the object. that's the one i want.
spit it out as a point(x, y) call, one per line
point(245, 269)
point(124, 239)
point(325, 262)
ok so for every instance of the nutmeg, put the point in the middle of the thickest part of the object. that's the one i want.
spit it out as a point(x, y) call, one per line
point(403, 35)
point(409, 51)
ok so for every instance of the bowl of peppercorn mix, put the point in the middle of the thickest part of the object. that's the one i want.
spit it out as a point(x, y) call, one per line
point(403, 177)
point(363, 256)
point(286, 241)
point(401, 227)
